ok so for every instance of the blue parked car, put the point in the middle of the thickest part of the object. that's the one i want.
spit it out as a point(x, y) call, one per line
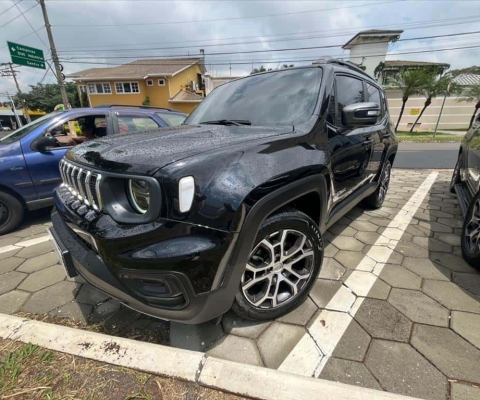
point(29, 157)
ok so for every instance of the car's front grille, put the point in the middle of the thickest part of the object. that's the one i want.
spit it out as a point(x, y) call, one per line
point(83, 183)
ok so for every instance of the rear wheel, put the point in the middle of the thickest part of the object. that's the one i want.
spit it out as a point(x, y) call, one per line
point(11, 212)
point(455, 176)
point(471, 233)
point(376, 199)
point(282, 267)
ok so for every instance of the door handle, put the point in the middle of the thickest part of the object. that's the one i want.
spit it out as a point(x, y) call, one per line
point(367, 142)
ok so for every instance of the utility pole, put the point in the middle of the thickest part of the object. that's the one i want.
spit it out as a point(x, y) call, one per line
point(58, 72)
point(19, 122)
point(11, 72)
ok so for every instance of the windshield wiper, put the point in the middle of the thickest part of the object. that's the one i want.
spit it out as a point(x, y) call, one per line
point(236, 122)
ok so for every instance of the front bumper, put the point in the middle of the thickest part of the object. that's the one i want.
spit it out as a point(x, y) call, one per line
point(162, 291)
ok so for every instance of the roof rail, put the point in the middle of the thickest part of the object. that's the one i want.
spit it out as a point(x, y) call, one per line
point(348, 64)
point(134, 106)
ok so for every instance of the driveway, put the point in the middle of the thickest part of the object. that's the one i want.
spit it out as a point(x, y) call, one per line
point(395, 307)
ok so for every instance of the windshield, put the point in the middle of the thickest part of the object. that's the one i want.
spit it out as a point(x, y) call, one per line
point(171, 118)
point(26, 129)
point(279, 98)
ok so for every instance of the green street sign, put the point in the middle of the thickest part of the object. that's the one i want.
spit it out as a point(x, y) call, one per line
point(27, 56)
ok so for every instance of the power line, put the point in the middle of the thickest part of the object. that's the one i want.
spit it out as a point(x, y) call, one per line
point(23, 37)
point(9, 8)
point(18, 16)
point(28, 22)
point(228, 19)
point(318, 47)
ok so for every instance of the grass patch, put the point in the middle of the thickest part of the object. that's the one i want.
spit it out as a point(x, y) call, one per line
point(31, 372)
point(427, 137)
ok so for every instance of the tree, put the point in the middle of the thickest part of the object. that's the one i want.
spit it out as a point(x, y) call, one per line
point(473, 94)
point(409, 82)
point(285, 66)
point(84, 100)
point(434, 85)
point(45, 97)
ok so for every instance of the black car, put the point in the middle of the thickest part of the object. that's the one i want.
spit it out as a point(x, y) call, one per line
point(466, 184)
point(229, 208)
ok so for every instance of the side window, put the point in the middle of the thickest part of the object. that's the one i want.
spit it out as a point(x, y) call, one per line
point(349, 91)
point(132, 124)
point(374, 96)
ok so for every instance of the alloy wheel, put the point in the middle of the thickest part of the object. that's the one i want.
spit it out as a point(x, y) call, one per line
point(472, 230)
point(384, 182)
point(4, 213)
point(278, 268)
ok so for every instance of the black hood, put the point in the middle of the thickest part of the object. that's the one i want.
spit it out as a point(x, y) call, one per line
point(146, 152)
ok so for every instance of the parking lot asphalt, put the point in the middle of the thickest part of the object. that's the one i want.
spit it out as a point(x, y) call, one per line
point(395, 307)
point(426, 155)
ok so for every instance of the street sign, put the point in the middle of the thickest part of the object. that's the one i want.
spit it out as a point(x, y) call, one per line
point(414, 111)
point(27, 56)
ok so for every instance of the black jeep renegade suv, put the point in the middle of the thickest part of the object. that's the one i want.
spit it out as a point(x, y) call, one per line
point(227, 210)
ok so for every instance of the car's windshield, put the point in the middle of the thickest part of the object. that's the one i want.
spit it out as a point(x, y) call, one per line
point(279, 98)
point(26, 129)
point(172, 119)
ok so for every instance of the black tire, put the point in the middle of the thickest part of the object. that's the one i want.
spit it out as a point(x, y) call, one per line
point(471, 243)
point(11, 212)
point(296, 226)
point(456, 179)
point(376, 199)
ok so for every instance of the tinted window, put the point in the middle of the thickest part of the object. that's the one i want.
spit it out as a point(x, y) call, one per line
point(349, 91)
point(172, 119)
point(374, 96)
point(278, 98)
point(135, 124)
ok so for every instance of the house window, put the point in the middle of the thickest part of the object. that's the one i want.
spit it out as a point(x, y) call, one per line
point(127, 87)
point(82, 88)
point(161, 82)
point(149, 82)
point(99, 88)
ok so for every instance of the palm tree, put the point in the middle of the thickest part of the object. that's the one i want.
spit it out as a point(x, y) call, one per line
point(409, 82)
point(473, 94)
point(433, 86)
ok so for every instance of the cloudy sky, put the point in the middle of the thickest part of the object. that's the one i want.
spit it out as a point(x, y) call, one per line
point(97, 33)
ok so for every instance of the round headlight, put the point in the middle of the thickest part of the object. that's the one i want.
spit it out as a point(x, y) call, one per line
point(139, 195)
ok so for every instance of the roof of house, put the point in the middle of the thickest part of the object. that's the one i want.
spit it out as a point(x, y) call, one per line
point(183, 96)
point(467, 79)
point(406, 63)
point(373, 33)
point(139, 69)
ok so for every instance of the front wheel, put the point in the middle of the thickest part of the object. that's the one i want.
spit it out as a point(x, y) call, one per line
point(376, 199)
point(471, 233)
point(11, 212)
point(282, 267)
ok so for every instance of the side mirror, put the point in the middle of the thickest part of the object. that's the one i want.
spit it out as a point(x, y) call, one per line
point(44, 143)
point(360, 114)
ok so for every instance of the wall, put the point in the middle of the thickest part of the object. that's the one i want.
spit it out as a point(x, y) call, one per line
point(186, 108)
point(379, 50)
point(184, 78)
point(455, 115)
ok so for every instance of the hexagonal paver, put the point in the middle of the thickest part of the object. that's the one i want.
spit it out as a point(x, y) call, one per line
point(7, 241)
point(364, 283)
point(330, 250)
point(449, 238)
point(354, 343)
point(73, 311)
point(323, 291)
point(347, 243)
point(460, 391)
point(12, 301)
point(354, 259)
point(42, 279)
point(349, 372)
point(364, 226)
point(46, 300)
point(400, 369)
point(468, 326)
point(32, 230)
point(10, 281)
point(408, 249)
point(9, 254)
point(90, 295)
point(343, 230)
point(432, 244)
point(195, 337)
point(371, 238)
point(396, 234)
point(10, 264)
point(397, 276)
point(301, 315)
point(278, 341)
point(237, 349)
point(381, 222)
point(236, 325)
point(105, 310)
point(384, 255)
point(427, 269)
point(436, 227)
point(342, 300)
point(451, 296)
point(451, 222)
point(470, 282)
point(383, 321)
point(417, 230)
point(451, 354)
point(418, 307)
point(331, 269)
point(35, 250)
point(34, 264)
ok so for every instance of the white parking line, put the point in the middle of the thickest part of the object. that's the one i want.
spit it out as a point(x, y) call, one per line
point(25, 243)
point(328, 328)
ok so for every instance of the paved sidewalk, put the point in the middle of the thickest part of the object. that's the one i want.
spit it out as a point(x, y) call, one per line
point(416, 331)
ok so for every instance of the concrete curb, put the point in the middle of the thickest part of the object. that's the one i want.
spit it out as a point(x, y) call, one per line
point(241, 379)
